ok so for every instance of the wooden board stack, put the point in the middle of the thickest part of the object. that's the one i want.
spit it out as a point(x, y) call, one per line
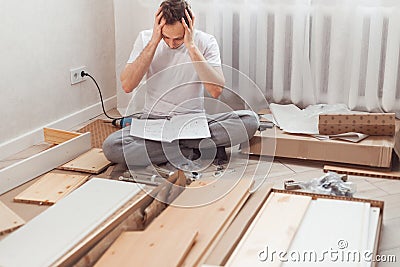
point(208, 221)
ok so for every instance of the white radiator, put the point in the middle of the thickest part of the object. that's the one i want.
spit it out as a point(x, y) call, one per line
point(297, 51)
point(307, 52)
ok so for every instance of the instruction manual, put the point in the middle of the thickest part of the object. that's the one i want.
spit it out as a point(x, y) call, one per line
point(188, 126)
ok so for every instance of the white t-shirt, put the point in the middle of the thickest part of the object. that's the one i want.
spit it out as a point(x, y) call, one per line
point(172, 85)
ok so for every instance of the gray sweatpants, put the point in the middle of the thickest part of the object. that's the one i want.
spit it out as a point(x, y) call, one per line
point(227, 129)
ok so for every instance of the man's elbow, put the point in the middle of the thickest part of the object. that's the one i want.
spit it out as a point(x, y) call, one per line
point(217, 91)
point(126, 86)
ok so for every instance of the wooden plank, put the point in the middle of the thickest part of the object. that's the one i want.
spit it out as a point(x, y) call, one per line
point(275, 226)
point(363, 172)
point(214, 241)
point(51, 187)
point(9, 220)
point(232, 236)
point(55, 136)
point(47, 237)
point(32, 167)
point(141, 248)
point(208, 219)
point(92, 161)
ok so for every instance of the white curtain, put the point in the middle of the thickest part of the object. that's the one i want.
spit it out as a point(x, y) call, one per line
point(300, 51)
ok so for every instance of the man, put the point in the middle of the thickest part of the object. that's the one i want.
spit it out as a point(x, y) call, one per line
point(179, 62)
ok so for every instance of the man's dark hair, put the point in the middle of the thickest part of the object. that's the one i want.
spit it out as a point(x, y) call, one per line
point(174, 10)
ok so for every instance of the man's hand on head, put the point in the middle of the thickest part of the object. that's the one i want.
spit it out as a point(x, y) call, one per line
point(159, 23)
point(189, 29)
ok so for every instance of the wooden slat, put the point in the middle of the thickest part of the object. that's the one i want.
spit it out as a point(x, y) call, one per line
point(92, 161)
point(51, 187)
point(275, 226)
point(141, 248)
point(218, 236)
point(363, 172)
point(55, 136)
point(48, 236)
point(9, 220)
point(239, 226)
point(32, 167)
point(208, 219)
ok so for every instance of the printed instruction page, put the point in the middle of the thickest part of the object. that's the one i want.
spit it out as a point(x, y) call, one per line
point(188, 126)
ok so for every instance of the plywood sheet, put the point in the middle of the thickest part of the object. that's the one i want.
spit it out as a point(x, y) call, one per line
point(141, 248)
point(54, 232)
point(275, 226)
point(9, 220)
point(51, 187)
point(92, 161)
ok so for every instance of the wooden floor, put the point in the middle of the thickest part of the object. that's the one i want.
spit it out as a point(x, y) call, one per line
point(279, 170)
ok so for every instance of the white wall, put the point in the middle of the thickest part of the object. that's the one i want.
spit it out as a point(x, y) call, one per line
point(131, 17)
point(40, 41)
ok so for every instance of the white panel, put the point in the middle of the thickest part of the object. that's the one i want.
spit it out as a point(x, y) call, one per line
point(279, 54)
point(392, 62)
point(337, 220)
point(30, 168)
point(374, 57)
point(372, 230)
point(54, 232)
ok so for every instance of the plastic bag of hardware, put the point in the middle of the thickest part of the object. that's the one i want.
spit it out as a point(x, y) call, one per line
point(330, 184)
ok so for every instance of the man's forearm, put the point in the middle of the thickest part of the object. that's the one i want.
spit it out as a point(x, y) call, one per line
point(212, 79)
point(134, 72)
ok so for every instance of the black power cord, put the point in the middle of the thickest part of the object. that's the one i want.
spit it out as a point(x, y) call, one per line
point(83, 74)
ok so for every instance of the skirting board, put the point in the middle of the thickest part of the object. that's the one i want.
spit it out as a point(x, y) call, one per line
point(48, 236)
point(30, 168)
point(35, 136)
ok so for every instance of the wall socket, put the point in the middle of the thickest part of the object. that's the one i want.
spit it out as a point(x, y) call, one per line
point(76, 75)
